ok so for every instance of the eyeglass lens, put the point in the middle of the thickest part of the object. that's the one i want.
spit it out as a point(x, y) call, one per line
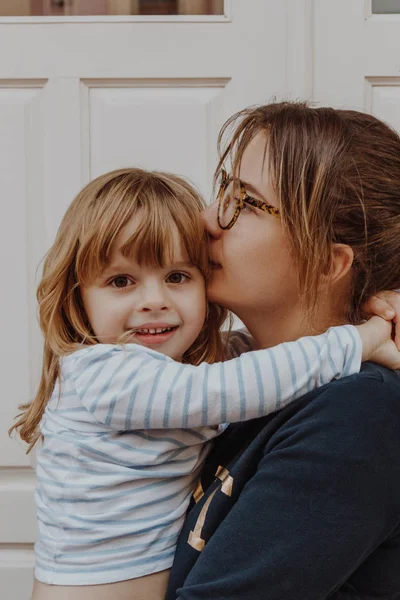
point(228, 203)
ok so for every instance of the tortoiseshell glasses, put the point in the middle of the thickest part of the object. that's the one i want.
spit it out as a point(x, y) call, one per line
point(229, 205)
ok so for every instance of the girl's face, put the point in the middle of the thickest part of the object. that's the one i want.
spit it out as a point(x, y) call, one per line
point(166, 306)
point(253, 269)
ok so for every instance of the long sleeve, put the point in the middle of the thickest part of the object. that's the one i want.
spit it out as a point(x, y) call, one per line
point(319, 515)
point(132, 387)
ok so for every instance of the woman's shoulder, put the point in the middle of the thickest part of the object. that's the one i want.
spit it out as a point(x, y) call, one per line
point(238, 341)
point(373, 386)
point(379, 378)
point(363, 409)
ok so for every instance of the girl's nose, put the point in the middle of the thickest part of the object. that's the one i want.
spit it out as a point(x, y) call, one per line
point(153, 298)
point(210, 221)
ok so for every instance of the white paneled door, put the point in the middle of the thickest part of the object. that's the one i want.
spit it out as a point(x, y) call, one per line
point(356, 56)
point(83, 94)
point(80, 95)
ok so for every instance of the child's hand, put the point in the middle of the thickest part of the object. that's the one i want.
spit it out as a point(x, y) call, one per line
point(378, 345)
point(385, 305)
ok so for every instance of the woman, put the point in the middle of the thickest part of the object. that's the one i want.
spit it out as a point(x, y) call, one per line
point(304, 504)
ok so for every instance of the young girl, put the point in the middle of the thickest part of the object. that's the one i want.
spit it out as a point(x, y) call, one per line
point(124, 413)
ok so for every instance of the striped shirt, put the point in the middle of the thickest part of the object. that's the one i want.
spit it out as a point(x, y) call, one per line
point(127, 433)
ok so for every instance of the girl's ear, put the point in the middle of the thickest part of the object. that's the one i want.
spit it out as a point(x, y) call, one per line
point(341, 262)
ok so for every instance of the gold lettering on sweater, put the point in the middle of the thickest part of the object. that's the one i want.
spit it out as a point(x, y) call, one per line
point(198, 492)
point(195, 540)
point(227, 480)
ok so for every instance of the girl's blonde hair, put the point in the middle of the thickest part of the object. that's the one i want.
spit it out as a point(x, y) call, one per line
point(82, 249)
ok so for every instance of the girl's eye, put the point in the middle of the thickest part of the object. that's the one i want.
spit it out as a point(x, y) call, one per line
point(177, 278)
point(121, 281)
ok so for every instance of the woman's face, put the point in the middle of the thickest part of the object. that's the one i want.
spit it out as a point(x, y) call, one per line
point(253, 269)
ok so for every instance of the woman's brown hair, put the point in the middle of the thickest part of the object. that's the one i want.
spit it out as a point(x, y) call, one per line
point(82, 248)
point(337, 177)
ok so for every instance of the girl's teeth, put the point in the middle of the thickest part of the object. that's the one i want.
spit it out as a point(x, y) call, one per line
point(153, 331)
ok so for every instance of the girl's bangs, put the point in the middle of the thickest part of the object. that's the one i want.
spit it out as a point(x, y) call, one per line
point(98, 237)
point(169, 222)
point(163, 234)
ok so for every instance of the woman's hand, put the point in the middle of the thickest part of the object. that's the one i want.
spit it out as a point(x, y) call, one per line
point(378, 344)
point(385, 305)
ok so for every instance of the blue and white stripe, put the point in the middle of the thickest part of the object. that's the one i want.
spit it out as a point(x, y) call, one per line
point(126, 438)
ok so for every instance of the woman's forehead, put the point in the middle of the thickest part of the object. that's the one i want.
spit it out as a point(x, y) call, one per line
point(254, 162)
point(254, 170)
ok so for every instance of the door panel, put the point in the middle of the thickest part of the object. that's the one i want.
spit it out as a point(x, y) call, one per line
point(362, 72)
point(80, 95)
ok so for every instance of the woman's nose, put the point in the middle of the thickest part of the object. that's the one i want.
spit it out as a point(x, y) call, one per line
point(210, 221)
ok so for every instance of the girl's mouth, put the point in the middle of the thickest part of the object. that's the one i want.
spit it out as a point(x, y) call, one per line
point(154, 335)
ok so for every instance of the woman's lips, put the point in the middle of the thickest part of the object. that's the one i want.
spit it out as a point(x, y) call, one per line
point(215, 265)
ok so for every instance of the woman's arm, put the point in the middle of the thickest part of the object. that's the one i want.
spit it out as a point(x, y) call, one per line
point(132, 387)
point(325, 496)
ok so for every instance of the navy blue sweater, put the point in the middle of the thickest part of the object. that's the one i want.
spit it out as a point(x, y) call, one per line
point(306, 503)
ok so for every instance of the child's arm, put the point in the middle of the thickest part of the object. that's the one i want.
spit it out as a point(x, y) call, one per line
point(132, 387)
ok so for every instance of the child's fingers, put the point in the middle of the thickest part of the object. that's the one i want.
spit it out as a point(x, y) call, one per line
point(393, 300)
point(379, 306)
point(397, 333)
point(388, 355)
point(386, 305)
